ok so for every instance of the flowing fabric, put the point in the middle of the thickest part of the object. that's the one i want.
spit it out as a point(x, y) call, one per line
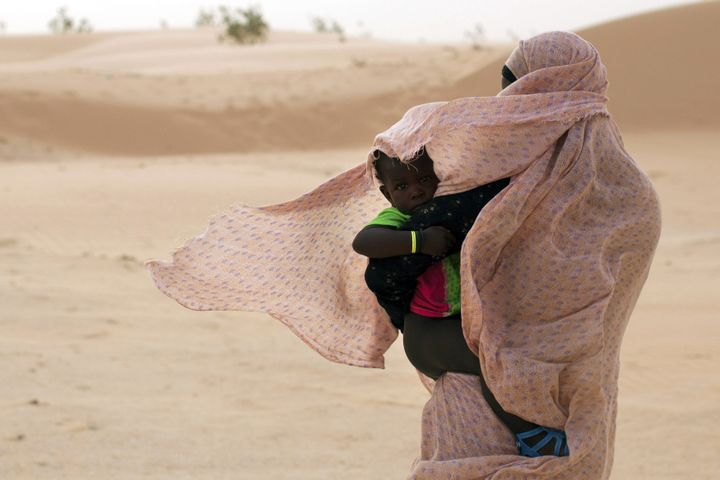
point(550, 271)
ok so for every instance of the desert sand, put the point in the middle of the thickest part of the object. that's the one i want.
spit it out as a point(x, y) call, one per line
point(117, 147)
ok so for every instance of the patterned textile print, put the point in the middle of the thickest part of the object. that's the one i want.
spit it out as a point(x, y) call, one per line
point(550, 271)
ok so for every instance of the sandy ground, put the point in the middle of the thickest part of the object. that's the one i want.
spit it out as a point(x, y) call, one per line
point(104, 377)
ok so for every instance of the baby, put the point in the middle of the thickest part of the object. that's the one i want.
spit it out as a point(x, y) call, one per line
point(414, 246)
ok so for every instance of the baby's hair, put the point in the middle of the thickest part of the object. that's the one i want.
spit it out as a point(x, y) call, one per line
point(379, 155)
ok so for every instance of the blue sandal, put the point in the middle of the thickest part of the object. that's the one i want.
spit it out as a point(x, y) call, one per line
point(561, 448)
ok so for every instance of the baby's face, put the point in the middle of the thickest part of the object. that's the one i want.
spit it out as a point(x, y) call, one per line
point(408, 187)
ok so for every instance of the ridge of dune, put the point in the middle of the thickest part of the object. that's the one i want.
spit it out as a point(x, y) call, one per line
point(76, 124)
point(184, 51)
point(176, 92)
point(39, 47)
point(25, 48)
point(663, 67)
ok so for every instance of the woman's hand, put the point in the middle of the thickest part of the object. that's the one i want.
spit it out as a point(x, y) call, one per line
point(437, 241)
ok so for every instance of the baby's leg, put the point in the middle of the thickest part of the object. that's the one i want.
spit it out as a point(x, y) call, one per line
point(437, 345)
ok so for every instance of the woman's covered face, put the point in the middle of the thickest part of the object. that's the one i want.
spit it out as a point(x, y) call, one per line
point(507, 77)
point(555, 62)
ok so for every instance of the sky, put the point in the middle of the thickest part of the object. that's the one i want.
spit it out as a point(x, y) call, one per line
point(405, 20)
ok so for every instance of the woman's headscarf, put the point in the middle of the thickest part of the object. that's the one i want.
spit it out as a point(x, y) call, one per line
point(550, 271)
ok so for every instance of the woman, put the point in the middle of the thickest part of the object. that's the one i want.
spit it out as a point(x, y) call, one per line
point(550, 271)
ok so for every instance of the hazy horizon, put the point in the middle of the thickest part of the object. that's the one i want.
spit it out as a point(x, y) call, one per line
point(396, 20)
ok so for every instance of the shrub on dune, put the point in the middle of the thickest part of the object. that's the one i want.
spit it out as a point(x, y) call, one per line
point(320, 25)
point(63, 23)
point(205, 18)
point(243, 25)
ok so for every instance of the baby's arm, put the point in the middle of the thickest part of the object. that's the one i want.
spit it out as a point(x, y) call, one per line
point(383, 242)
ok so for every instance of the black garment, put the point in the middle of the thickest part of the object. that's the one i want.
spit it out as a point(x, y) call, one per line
point(508, 74)
point(393, 279)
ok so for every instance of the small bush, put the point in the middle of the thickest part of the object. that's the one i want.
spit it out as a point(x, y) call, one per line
point(476, 37)
point(321, 25)
point(63, 23)
point(337, 29)
point(205, 18)
point(243, 25)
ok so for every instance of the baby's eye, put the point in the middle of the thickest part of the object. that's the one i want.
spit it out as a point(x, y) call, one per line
point(401, 186)
point(425, 179)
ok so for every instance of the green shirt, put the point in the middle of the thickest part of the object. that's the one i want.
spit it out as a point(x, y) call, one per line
point(390, 217)
point(437, 292)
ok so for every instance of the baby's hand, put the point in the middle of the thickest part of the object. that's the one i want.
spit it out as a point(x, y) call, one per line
point(436, 241)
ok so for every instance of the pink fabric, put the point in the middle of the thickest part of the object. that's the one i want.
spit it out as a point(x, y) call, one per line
point(430, 299)
point(550, 271)
point(516, 62)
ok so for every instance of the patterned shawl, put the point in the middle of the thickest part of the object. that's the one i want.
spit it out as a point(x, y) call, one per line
point(550, 271)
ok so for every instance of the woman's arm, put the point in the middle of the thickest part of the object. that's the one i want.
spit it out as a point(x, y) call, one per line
point(380, 242)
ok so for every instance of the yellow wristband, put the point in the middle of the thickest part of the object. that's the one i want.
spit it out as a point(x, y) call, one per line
point(413, 236)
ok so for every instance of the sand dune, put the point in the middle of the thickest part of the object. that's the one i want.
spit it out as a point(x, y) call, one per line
point(117, 147)
point(135, 130)
point(661, 67)
point(132, 93)
point(129, 93)
point(27, 48)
